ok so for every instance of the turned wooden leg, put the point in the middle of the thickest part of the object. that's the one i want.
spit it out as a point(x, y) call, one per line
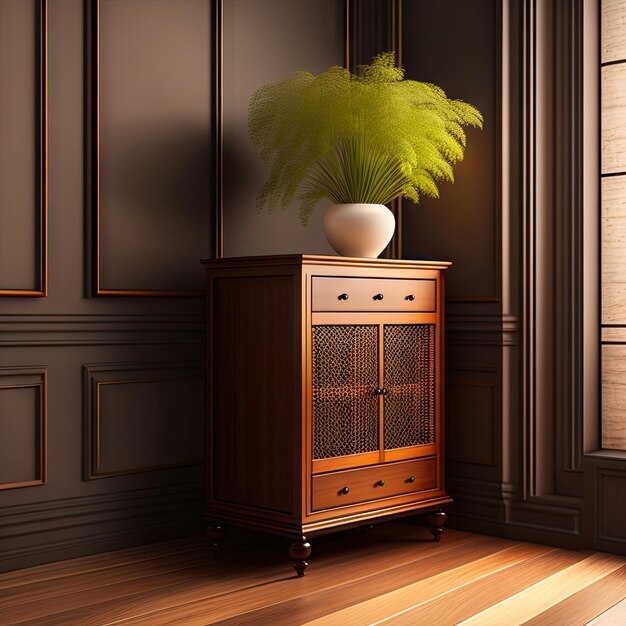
point(300, 551)
point(217, 535)
point(437, 520)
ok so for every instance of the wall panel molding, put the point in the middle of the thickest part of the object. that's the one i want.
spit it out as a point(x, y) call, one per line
point(570, 263)
point(100, 329)
point(218, 128)
point(434, 61)
point(494, 507)
point(21, 379)
point(180, 176)
point(552, 269)
point(535, 490)
point(40, 179)
point(611, 506)
point(473, 401)
point(469, 329)
point(562, 515)
point(100, 380)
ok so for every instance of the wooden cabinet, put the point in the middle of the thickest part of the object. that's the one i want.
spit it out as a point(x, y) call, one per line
point(325, 394)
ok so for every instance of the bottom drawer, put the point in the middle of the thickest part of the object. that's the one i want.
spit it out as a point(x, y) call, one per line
point(373, 483)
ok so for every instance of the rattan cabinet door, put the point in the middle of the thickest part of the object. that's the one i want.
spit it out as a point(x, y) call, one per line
point(345, 377)
point(409, 383)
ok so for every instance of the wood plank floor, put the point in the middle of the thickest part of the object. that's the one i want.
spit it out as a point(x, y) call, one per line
point(393, 575)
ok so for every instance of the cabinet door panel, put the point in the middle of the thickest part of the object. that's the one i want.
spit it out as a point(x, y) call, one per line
point(345, 376)
point(409, 378)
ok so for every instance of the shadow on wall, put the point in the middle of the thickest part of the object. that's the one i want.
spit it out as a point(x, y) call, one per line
point(159, 169)
point(155, 182)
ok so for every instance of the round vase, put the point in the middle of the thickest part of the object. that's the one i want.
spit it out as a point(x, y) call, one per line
point(361, 230)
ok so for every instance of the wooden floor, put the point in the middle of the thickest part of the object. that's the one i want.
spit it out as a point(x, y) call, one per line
point(391, 575)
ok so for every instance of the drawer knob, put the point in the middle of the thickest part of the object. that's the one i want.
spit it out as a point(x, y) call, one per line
point(410, 297)
point(343, 296)
point(411, 479)
point(384, 391)
point(345, 491)
point(378, 296)
point(381, 483)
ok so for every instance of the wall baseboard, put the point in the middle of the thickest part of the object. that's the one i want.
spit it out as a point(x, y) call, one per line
point(38, 533)
point(493, 508)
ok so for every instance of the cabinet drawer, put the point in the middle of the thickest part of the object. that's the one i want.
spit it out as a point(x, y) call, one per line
point(373, 483)
point(373, 294)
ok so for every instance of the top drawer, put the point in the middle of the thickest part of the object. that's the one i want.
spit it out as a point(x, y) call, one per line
point(373, 294)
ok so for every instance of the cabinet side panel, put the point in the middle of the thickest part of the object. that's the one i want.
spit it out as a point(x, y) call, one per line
point(254, 425)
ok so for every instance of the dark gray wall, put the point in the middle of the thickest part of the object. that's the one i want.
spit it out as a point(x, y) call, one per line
point(100, 397)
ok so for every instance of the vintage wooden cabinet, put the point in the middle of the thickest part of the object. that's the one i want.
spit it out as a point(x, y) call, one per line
point(325, 394)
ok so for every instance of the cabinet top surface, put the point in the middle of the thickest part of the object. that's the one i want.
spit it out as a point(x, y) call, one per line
point(316, 259)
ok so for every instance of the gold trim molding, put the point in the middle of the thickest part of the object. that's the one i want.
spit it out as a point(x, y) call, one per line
point(95, 377)
point(42, 157)
point(92, 186)
point(31, 378)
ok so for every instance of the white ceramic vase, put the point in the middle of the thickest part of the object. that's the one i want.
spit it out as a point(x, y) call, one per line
point(361, 230)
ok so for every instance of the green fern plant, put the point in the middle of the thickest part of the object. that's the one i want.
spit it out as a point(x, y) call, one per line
point(366, 137)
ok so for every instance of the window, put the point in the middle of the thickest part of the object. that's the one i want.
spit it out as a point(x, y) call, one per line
point(613, 222)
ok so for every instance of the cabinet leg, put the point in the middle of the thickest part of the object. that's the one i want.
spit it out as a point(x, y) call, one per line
point(217, 534)
point(437, 520)
point(300, 551)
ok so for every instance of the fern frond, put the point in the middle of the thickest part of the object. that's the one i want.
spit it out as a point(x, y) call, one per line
point(365, 137)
